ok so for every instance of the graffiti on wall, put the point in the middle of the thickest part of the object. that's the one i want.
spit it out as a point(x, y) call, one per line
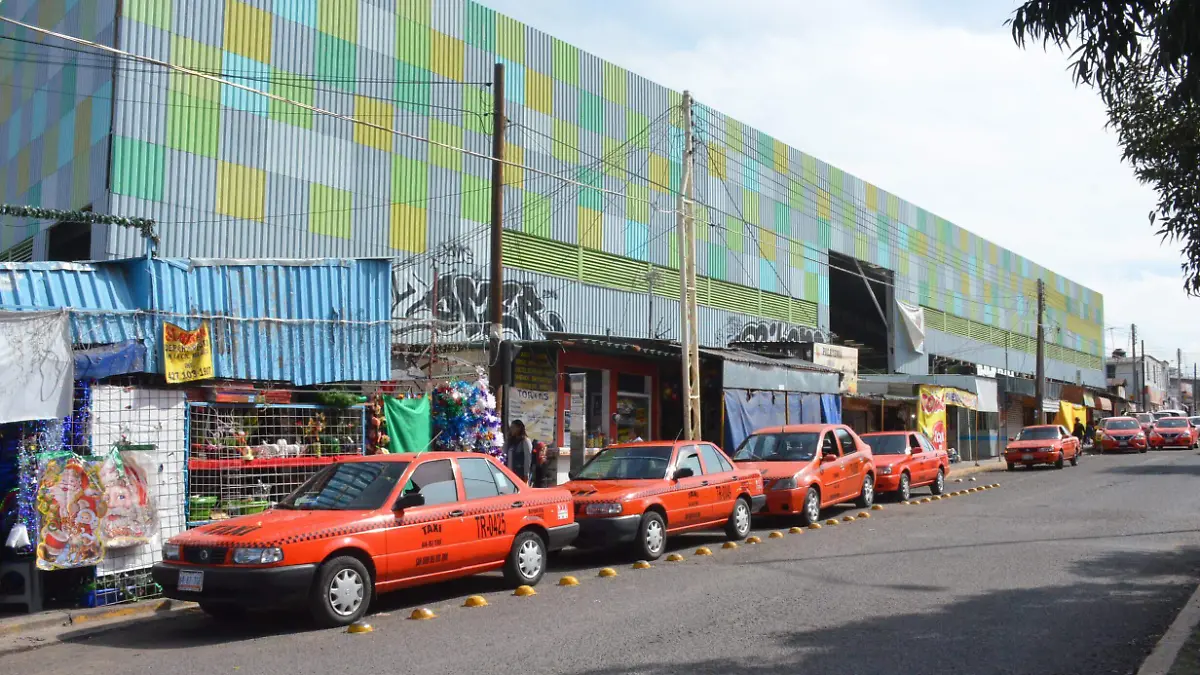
point(774, 331)
point(459, 308)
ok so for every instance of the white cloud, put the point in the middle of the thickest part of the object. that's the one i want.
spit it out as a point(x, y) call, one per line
point(958, 121)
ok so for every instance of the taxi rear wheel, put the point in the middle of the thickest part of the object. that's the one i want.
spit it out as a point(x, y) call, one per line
point(652, 536)
point(526, 560)
point(342, 592)
point(939, 483)
point(811, 512)
point(867, 497)
point(738, 526)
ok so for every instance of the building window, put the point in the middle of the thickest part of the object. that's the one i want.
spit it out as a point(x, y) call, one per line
point(1111, 370)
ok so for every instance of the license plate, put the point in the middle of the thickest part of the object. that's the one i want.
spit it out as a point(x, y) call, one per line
point(1026, 457)
point(192, 582)
point(1124, 443)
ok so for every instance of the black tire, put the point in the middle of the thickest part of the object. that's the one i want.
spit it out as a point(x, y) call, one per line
point(1058, 464)
point(527, 560)
point(223, 611)
point(651, 540)
point(939, 484)
point(810, 511)
point(333, 600)
point(1141, 451)
point(904, 492)
point(867, 497)
point(738, 526)
point(1075, 459)
point(1012, 467)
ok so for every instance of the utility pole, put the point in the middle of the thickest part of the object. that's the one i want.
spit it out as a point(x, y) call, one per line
point(1144, 386)
point(1195, 389)
point(689, 334)
point(651, 279)
point(1133, 360)
point(1040, 384)
point(496, 276)
point(1178, 374)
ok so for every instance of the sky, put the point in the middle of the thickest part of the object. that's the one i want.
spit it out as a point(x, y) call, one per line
point(930, 100)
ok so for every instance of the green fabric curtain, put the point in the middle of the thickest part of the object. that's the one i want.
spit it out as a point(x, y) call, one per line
point(409, 423)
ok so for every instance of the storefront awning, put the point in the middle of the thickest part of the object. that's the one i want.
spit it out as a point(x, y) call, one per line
point(746, 370)
point(1089, 400)
point(1105, 404)
point(1050, 405)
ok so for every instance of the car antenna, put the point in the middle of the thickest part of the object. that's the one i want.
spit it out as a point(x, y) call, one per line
point(679, 434)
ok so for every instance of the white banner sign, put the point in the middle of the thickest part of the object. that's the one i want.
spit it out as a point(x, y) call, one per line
point(536, 409)
point(913, 317)
point(37, 368)
point(842, 359)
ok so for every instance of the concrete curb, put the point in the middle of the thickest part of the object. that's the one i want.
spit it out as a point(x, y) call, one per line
point(970, 469)
point(1163, 657)
point(82, 617)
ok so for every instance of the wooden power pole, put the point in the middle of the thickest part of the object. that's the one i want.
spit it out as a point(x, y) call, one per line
point(1040, 383)
point(496, 275)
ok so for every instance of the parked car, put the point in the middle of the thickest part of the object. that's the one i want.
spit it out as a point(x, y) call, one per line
point(640, 493)
point(369, 524)
point(905, 460)
point(807, 467)
point(1042, 444)
point(1174, 432)
point(1159, 414)
point(1146, 420)
point(1194, 421)
point(1121, 434)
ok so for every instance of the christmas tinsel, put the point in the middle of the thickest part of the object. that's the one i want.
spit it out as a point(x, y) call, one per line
point(465, 419)
point(143, 225)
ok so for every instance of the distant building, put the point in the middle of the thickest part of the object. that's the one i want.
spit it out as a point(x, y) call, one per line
point(1149, 372)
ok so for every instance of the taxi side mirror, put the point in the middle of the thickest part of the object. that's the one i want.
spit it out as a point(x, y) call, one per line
point(409, 500)
point(685, 472)
point(828, 457)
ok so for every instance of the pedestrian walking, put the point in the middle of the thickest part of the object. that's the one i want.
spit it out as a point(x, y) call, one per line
point(1078, 432)
point(519, 451)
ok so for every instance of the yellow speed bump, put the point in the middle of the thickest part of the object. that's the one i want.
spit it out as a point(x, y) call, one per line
point(568, 581)
point(864, 514)
point(775, 535)
point(925, 500)
point(972, 479)
point(641, 565)
point(674, 557)
point(422, 614)
point(848, 519)
point(832, 521)
point(729, 544)
point(877, 507)
point(753, 540)
point(814, 526)
point(359, 627)
point(476, 601)
point(524, 591)
point(607, 573)
point(995, 485)
point(796, 530)
point(703, 550)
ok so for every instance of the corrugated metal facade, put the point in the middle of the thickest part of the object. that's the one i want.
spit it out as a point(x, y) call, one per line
point(306, 322)
point(230, 173)
point(55, 112)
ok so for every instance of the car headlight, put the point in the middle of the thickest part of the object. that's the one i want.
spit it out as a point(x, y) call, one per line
point(603, 509)
point(785, 484)
point(171, 551)
point(257, 556)
point(885, 470)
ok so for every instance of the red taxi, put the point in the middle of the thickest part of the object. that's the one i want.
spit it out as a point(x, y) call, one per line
point(1146, 420)
point(1120, 434)
point(905, 460)
point(807, 467)
point(1043, 444)
point(638, 493)
point(366, 525)
point(1173, 432)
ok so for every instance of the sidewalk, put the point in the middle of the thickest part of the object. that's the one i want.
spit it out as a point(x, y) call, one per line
point(1178, 651)
point(30, 631)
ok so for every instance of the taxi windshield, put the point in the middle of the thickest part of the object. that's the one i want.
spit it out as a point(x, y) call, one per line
point(1145, 418)
point(352, 486)
point(1126, 425)
point(887, 445)
point(638, 462)
point(1173, 423)
point(784, 447)
point(1038, 434)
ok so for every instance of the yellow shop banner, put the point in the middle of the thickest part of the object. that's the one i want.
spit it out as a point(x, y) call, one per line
point(187, 354)
point(931, 418)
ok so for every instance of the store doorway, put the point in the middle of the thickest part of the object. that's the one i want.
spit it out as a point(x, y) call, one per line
point(858, 292)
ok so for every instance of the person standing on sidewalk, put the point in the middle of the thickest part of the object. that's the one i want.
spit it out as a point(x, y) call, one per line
point(519, 451)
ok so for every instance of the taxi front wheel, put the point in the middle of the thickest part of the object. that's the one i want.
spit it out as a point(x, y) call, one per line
point(652, 537)
point(526, 561)
point(342, 592)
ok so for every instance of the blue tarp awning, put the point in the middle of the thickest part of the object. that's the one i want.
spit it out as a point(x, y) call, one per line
point(95, 363)
point(748, 410)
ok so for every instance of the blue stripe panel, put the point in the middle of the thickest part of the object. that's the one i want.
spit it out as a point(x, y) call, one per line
point(514, 81)
point(637, 239)
point(37, 121)
point(303, 12)
point(768, 278)
point(247, 72)
point(66, 139)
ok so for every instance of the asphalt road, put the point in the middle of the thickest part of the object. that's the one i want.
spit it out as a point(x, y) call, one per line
point(1076, 571)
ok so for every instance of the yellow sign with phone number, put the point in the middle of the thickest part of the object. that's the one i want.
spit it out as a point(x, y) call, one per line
point(187, 354)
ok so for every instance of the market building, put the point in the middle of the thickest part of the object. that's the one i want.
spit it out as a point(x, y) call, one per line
point(791, 249)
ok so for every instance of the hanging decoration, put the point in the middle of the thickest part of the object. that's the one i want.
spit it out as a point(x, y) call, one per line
point(130, 513)
point(377, 427)
point(71, 506)
point(143, 225)
point(465, 418)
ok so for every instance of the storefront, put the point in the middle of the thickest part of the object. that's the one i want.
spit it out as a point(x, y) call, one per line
point(620, 401)
point(868, 413)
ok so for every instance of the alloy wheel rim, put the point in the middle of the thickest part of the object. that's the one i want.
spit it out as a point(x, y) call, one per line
point(868, 490)
point(814, 507)
point(741, 518)
point(904, 488)
point(654, 536)
point(345, 592)
point(529, 559)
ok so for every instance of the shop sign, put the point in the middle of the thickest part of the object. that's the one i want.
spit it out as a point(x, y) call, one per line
point(931, 418)
point(842, 359)
point(536, 409)
point(187, 354)
point(960, 398)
